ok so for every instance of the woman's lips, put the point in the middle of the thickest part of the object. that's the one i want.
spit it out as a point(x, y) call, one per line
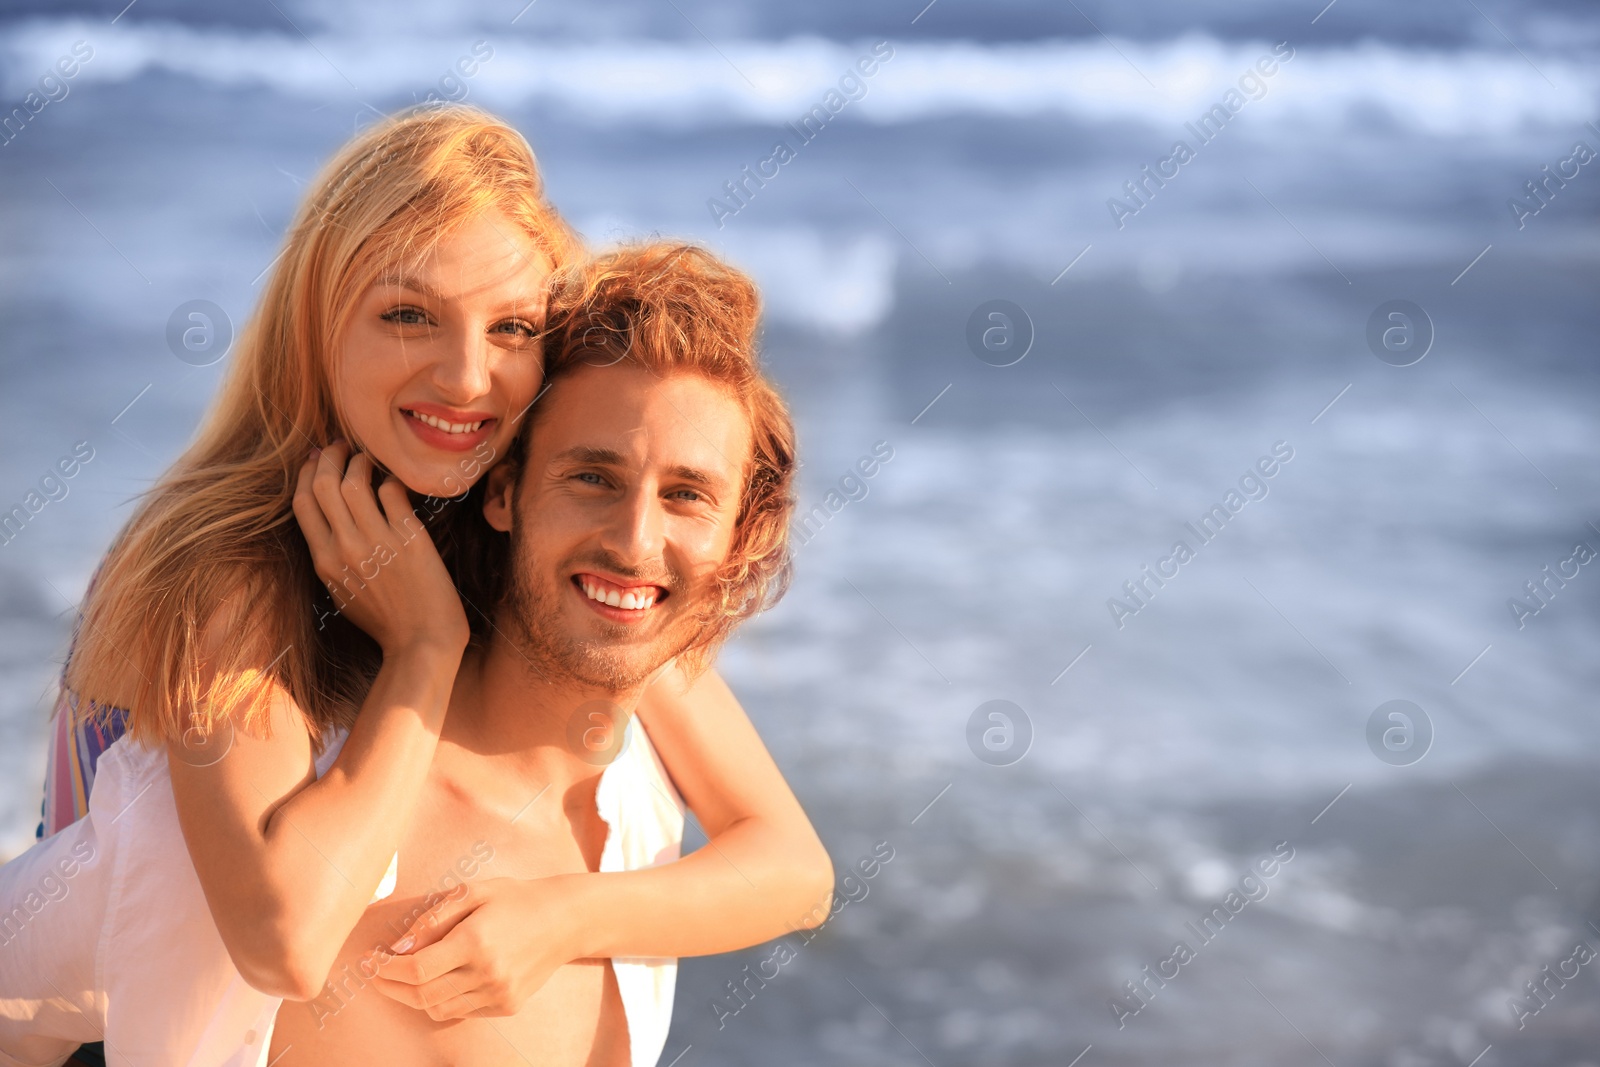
point(441, 432)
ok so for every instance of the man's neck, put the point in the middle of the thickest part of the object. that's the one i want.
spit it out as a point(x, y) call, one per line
point(506, 706)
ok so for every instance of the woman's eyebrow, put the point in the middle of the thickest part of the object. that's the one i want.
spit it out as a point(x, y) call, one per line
point(416, 285)
point(523, 304)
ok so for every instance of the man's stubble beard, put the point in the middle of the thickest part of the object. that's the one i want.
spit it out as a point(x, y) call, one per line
point(533, 609)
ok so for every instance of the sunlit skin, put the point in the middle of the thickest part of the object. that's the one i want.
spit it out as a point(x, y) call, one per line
point(634, 480)
point(606, 527)
point(288, 862)
point(453, 338)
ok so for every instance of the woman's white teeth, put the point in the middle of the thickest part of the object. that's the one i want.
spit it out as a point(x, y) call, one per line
point(629, 601)
point(447, 427)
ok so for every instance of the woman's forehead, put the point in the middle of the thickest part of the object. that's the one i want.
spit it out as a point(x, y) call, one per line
point(510, 283)
point(487, 252)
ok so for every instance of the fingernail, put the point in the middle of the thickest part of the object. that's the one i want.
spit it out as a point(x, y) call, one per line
point(404, 945)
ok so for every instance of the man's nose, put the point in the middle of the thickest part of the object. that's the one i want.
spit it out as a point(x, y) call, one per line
point(635, 532)
point(461, 374)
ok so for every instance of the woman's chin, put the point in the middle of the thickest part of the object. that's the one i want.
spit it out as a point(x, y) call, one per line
point(428, 479)
point(434, 472)
point(448, 483)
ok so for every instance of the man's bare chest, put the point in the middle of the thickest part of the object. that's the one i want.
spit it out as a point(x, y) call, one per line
point(467, 831)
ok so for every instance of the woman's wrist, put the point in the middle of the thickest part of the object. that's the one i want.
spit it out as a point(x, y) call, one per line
point(582, 922)
point(428, 649)
point(417, 677)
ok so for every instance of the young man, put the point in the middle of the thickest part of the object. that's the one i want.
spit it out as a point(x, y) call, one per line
point(645, 516)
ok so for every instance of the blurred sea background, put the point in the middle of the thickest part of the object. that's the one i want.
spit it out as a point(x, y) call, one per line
point(1159, 758)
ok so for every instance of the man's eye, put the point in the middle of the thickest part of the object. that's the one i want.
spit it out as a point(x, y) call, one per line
point(405, 316)
point(688, 495)
point(590, 478)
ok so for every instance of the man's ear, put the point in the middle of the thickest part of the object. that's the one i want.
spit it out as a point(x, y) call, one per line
point(499, 487)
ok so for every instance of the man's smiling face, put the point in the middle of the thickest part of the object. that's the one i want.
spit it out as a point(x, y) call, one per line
point(623, 510)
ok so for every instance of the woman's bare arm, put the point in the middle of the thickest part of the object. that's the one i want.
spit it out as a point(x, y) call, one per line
point(489, 946)
point(288, 861)
point(763, 871)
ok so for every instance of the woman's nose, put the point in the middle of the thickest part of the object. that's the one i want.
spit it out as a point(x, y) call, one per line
point(462, 371)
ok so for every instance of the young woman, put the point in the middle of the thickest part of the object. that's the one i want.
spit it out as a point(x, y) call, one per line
point(403, 317)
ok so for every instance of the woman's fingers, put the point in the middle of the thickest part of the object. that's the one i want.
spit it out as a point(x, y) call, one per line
point(464, 1006)
point(313, 524)
point(450, 996)
point(397, 509)
point(432, 925)
point(356, 488)
point(397, 591)
point(328, 485)
point(399, 992)
point(426, 965)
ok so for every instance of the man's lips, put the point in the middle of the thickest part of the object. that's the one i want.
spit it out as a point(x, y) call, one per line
point(616, 600)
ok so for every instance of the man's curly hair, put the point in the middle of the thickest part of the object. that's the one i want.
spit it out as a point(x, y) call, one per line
point(678, 309)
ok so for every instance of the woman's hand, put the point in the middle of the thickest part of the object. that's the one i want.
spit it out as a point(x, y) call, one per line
point(379, 564)
point(485, 948)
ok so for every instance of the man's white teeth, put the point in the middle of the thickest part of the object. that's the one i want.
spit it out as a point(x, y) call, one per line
point(447, 427)
point(629, 601)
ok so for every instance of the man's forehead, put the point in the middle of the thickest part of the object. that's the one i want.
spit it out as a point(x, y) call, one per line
point(626, 415)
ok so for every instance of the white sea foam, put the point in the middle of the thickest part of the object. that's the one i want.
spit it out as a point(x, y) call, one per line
point(1437, 92)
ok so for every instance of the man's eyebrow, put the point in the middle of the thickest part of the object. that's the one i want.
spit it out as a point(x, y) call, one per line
point(607, 457)
point(696, 475)
point(610, 457)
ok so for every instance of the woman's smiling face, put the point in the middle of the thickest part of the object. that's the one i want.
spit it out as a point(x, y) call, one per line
point(442, 357)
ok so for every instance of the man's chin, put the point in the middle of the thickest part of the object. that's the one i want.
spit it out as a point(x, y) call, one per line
point(611, 664)
point(581, 645)
point(609, 672)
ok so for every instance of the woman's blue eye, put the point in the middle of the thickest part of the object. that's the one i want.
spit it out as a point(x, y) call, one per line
point(406, 316)
point(514, 326)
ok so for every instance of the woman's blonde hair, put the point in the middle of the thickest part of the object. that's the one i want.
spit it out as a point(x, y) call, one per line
point(217, 531)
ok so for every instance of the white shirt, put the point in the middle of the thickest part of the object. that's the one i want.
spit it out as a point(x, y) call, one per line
point(105, 934)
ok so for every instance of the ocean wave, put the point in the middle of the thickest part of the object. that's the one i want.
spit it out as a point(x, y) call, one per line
point(1437, 92)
